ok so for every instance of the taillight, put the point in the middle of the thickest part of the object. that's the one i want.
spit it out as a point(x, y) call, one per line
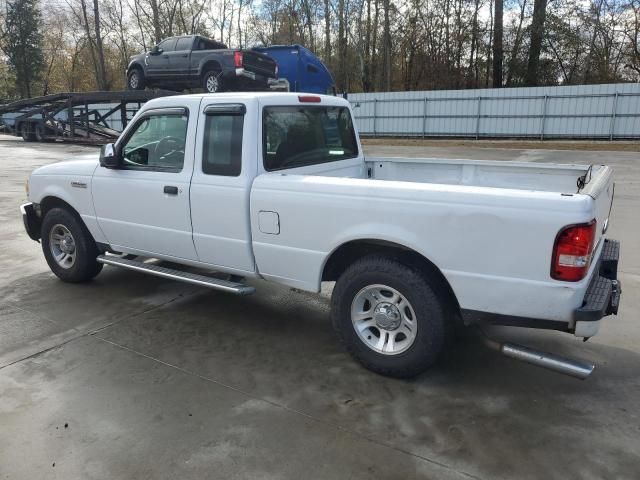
point(572, 252)
point(237, 59)
point(308, 99)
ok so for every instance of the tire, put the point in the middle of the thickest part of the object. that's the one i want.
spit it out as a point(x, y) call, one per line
point(212, 81)
point(135, 79)
point(57, 226)
point(419, 323)
point(40, 133)
point(26, 132)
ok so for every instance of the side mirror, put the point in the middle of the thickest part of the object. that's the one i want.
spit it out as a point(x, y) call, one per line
point(156, 50)
point(109, 157)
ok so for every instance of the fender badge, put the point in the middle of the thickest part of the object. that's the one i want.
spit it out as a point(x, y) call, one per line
point(79, 184)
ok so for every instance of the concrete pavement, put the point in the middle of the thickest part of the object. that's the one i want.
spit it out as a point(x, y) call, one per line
point(132, 376)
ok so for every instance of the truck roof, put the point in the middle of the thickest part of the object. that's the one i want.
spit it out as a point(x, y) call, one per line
point(286, 96)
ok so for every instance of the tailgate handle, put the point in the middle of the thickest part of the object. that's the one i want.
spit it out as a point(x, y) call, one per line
point(171, 190)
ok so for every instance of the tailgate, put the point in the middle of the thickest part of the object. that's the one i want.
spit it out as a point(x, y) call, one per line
point(259, 63)
point(599, 186)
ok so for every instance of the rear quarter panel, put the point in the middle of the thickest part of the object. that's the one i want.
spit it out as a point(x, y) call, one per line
point(493, 245)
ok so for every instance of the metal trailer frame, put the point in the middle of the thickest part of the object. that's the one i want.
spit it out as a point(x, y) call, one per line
point(36, 117)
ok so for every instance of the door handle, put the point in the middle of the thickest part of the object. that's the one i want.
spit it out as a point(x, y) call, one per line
point(165, 56)
point(185, 55)
point(171, 190)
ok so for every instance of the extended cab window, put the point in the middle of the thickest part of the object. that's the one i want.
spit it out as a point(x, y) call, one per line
point(222, 152)
point(306, 135)
point(184, 43)
point(157, 143)
point(204, 44)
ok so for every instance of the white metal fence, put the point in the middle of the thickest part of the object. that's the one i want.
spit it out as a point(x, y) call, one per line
point(609, 111)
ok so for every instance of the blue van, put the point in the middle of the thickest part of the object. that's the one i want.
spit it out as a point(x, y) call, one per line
point(301, 68)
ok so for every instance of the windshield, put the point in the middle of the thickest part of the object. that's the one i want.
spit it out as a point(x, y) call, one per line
point(307, 135)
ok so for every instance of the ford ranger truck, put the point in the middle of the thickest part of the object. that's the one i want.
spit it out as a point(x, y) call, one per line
point(194, 61)
point(276, 187)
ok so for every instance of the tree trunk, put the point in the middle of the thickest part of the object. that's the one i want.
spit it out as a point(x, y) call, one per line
point(155, 15)
point(497, 45)
point(489, 52)
point(386, 36)
point(374, 45)
point(473, 66)
point(366, 70)
point(592, 43)
point(92, 51)
point(516, 45)
point(103, 84)
point(342, 51)
point(537, 31)
point(239, 24)
point(327, 33)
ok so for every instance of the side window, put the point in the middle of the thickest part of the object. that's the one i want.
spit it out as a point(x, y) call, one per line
point(168, 45)
point(222, 149)
point(184, 43)
point(157, 143)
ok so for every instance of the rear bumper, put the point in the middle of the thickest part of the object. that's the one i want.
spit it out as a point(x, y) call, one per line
point(244, 73)
point(31, 221)
point(603, 294)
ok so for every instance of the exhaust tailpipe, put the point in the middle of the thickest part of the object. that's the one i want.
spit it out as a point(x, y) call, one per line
point(567, 366)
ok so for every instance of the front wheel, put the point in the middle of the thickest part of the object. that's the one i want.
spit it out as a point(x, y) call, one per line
point(27, 133)
point(68, 247)
point(389, 316)
point(135, 79)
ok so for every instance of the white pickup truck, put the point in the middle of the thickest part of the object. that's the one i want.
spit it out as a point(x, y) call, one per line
point(275, 186)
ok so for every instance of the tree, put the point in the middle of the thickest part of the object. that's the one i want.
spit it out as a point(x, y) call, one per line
point(537, 31)
point(497, 44)
point(23, 44)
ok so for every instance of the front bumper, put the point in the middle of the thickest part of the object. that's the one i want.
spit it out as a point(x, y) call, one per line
point(31, 220)
point(603, 293)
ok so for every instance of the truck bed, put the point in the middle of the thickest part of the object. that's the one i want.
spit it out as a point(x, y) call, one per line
point(488, 226)
point(481, 173)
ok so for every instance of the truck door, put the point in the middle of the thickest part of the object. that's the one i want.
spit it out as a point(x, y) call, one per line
point(144, 204)
point(158, 64)
point(179, 58)
point(225, 165)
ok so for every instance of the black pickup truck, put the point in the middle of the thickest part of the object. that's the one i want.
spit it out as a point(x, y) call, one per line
point(193, 61)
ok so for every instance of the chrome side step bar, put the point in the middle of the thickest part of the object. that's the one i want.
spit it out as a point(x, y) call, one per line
point(566, 366)
point(193, 278)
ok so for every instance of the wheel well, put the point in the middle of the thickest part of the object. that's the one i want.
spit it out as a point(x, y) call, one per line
point(135, 66)
point(210, 65)
point(48, 203)
point(350, 252)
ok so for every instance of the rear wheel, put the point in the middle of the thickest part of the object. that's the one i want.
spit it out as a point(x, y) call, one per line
point(212, 81)
point(135, 79)
point(389, 316)
point(68, 247)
